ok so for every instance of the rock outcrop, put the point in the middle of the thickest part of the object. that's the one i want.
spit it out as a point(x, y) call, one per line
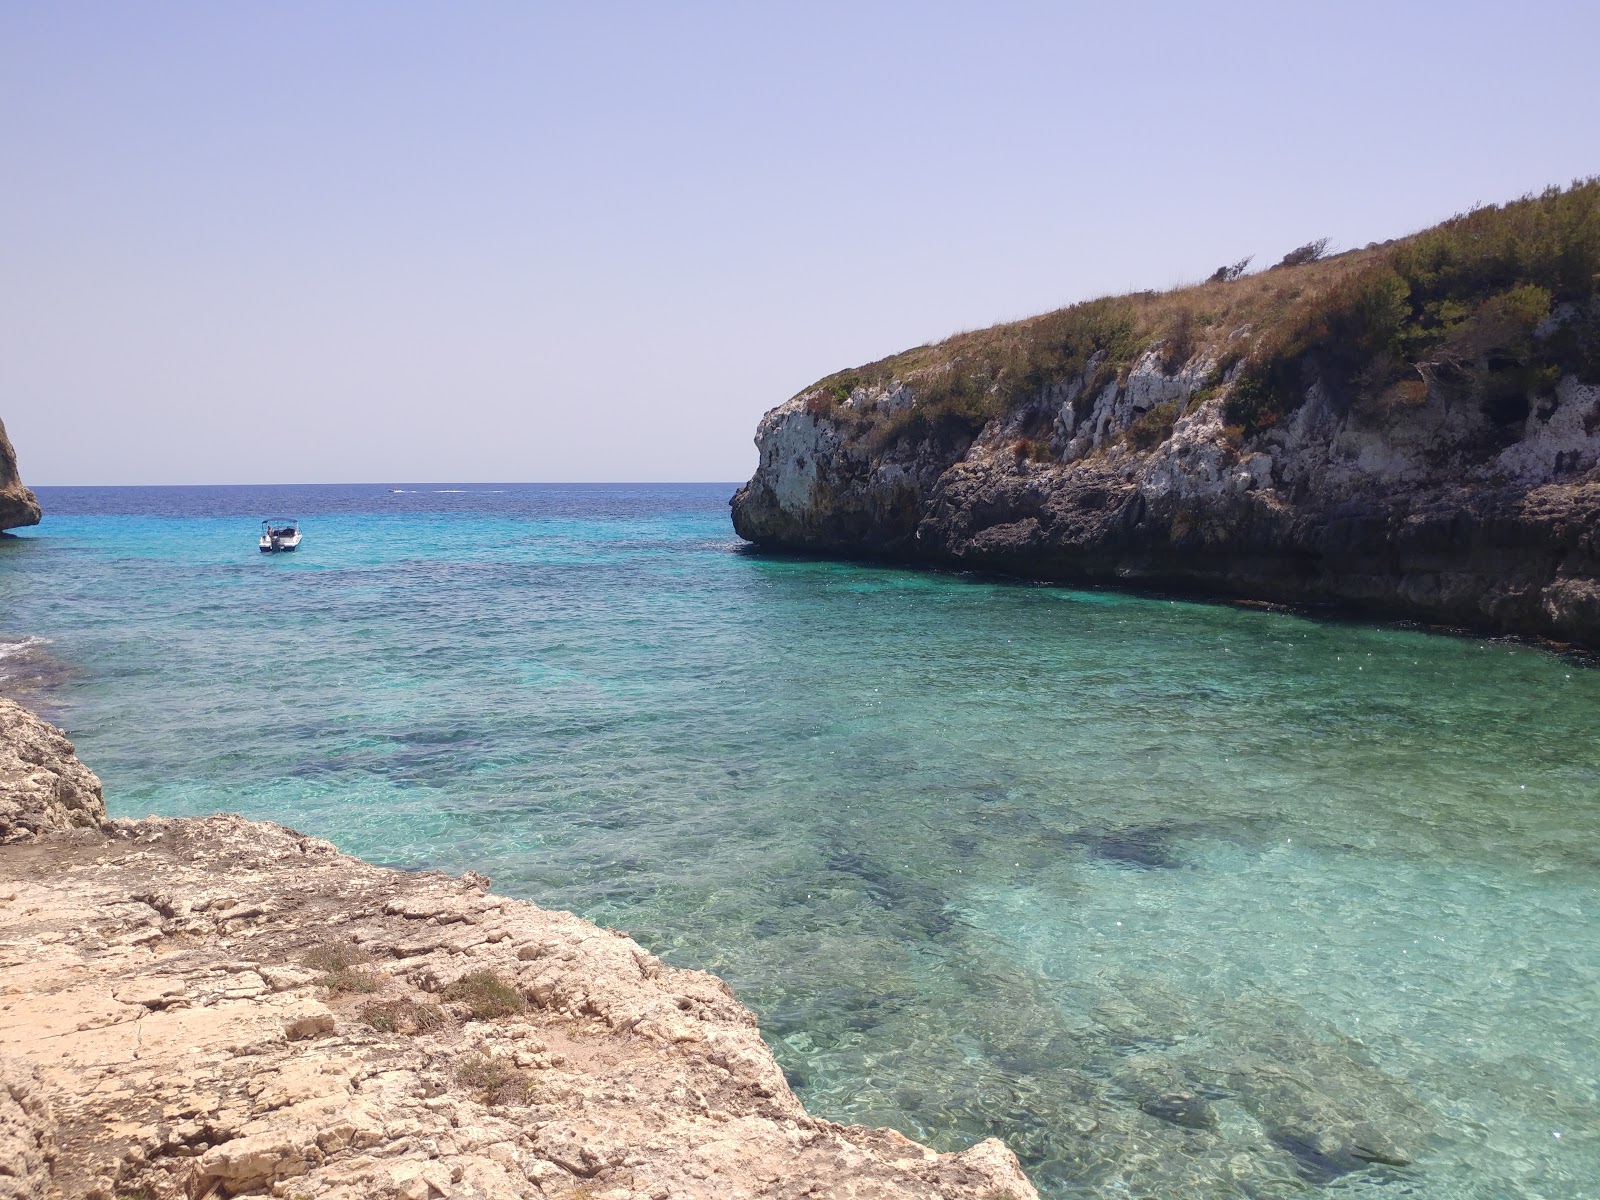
point(18, 505)
point(1389, 512)
point(1387, 435)
point(216, 1007)
point(43, 786)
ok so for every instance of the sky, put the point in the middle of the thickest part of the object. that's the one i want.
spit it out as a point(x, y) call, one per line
point(400, 241)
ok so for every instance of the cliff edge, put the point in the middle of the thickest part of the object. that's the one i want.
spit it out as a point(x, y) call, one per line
point(216, 1007)
point(18, 505)
point(1412, 428)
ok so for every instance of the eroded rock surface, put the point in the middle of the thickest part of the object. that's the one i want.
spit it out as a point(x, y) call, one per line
point(18, 505)
point(209, 1007)
point(43, 786)
point(27, 1132)
point(1425, 510)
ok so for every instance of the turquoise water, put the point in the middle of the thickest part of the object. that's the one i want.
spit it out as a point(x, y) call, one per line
point(1177, 899)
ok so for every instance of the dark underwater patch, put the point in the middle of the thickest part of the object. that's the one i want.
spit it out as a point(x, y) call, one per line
point(918, 902)
point(1142, 847)
point(1314, 1166)
point(1184, 1109)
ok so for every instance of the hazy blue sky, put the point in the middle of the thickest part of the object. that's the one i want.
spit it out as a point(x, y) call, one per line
point(591, 241)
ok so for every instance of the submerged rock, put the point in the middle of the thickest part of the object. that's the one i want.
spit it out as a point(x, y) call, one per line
point(922, 905)
point(1146, 847)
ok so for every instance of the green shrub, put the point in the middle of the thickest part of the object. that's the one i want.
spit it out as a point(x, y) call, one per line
point(1255, 403)
point(1150, 429)
point(1457, 304)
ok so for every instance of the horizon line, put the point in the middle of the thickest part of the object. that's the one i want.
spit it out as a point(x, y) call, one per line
point(475, 483)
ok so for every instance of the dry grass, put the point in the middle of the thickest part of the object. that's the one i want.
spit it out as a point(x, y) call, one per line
point(345, 968)
point(1455, 304)
point(486, 995)
point(965, 380)
point(1034, 449)
point(404, 1016)
point(494, 1081)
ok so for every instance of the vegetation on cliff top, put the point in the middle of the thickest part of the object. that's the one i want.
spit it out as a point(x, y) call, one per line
point(1465, 305)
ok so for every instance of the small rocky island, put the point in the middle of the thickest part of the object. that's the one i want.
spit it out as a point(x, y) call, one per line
point(214, 1007)
point(1412, 429)
point(18, 505)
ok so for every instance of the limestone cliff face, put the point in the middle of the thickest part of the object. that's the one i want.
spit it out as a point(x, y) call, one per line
point(18, 505)
point(1418, 504)
point(220, 1007)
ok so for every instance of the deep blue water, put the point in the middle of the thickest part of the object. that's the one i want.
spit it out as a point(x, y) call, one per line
point(1178, 899)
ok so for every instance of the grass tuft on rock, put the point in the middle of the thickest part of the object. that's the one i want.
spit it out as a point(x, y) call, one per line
point(404, 1016)
point(494, 1081)
point(486, 996)
point(346, 968)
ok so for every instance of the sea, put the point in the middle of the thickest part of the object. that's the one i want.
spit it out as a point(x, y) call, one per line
point(1175, 898)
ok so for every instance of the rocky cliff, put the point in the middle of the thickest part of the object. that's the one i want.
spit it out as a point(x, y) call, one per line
point(18, 505)
point(1413, 429)
point(208, 1007)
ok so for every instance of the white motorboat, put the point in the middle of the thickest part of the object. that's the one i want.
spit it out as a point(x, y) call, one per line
point(279, 534)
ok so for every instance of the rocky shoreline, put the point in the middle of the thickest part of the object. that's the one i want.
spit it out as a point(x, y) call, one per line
point(1327, 511)
point(214, 1006)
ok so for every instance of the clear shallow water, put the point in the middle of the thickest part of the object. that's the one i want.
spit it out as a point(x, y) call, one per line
point(1179, 900)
